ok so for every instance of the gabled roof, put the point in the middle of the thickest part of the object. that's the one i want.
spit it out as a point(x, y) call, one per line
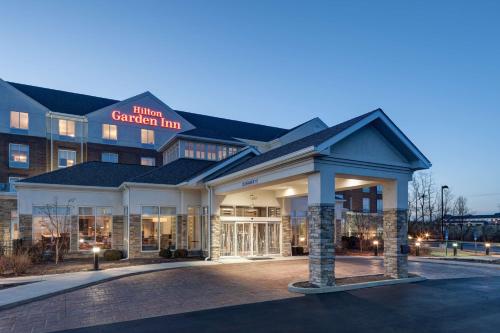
point(95, 173)
point(174, 172)
point(233, 128)
point(63, 101)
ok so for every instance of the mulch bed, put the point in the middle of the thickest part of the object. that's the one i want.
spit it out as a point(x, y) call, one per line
point(86, 264)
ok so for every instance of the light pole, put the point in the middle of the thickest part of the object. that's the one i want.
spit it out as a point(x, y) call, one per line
point(442, 210)
point(96, 251)
point(487, 248)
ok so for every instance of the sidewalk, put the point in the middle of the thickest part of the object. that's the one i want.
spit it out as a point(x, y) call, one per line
point(49, 285)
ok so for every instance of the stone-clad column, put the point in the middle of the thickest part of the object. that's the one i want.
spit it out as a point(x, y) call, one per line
point(182, 242)
point(286, 229)
point(26, 227)
point(215, 226)
point(321, 215)
point(135, 241)
point(74, 239)
point(395, 202)
point(395, 236)
point(321, 245)
point(338, 233)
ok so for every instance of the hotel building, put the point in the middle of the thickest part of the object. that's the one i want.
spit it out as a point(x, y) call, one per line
point(138, 176)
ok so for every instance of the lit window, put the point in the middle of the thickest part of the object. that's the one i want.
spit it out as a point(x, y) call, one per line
point(150, 161)
point(232, 151)
point(109, 157)
point(189, 150)
point(66, 158)
point(12, 180)
point(222, 152)
point(19, 156)
point(380, 205)
point(211, 152)
point(158, 224)
point(66, 127)
point(19, 120)
point(380, 189)
point(200, 151)
point(366, 190)
point(147, 137)
point(366, 205)
point(109, 132)
point(94, 229)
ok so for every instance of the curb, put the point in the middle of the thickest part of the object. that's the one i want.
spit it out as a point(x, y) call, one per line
point(354, 286)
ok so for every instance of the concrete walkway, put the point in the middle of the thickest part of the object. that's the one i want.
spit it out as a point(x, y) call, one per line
point(38, 287)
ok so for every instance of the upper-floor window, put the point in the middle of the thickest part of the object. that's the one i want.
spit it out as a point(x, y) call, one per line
point(109, 157)
point(150, 161)
point(380, 189)
point(211, 152)
point(67, 127)
point(366, 190)
point(66, 158)
point(19, 120)
point(366, 205)
point(19, 156)
point(189, 150)
point(109, 132)
point(12, 180)
point(222, 152)
point(147, 136)
point(200, 151)
point(232, 150)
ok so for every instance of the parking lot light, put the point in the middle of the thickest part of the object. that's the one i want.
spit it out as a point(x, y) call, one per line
point(455, 246)
point(427, 235)
point(96, 251)
point(487, 248)
point(417, 250)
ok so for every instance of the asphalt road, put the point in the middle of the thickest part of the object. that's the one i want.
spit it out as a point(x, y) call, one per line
point(454, 305)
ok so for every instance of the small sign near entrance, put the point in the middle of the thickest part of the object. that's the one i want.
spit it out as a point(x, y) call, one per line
point(249, 182)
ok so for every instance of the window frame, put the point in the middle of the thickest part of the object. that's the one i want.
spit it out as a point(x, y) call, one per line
point(17, 164)
point(158, 236)
point(363, 205)
point(95, 215)
point(148, 132)
point(148, 158)
point(18, 116)
point(59, 151)
point(106, 132)
point(109, 153)
point(67, 122)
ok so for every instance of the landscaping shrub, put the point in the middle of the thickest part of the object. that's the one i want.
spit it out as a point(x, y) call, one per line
point(424, 251)
point(19, 263)
point(111, 255)
point(180, 253)
point(4, 264)
point(165, 253)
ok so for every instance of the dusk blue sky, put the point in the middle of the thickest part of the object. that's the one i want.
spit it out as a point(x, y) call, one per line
point(432, 66)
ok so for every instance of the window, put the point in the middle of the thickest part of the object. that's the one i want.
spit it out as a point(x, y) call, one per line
point(94, 228)
point(147, 136)
point(194, 228)
point(158, 228)
point(380, 205)
point(200, 151)
point(14, 224)
point(366, 190)
point(42, 227)
point(366, 205)
point(150, 161)
point(12, 180)
point(380, 189)
point(211, 152)
point(189, 150)
point(222, 152)
point(19, 120)
point(19, 156)
point(67, 127)
point(168, 220)
point(109, 157)
point(232, 151)
point(66, 158)
point(109, 132)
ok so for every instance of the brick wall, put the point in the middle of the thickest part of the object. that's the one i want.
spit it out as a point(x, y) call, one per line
point(6, 206)
point(26, 227)
point(356, 197)
point(117, 232)
point(286, 239)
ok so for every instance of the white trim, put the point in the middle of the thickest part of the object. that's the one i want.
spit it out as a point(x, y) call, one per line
point(76, 187)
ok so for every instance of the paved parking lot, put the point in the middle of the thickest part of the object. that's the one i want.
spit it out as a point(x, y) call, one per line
point(192, 289)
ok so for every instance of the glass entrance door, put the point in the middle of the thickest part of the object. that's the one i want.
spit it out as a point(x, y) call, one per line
point(259, 239)
point(243, 239)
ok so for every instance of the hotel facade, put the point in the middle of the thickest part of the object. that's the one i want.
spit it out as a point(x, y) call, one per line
point(138, 176)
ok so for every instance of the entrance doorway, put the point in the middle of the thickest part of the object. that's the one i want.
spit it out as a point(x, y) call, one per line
point(244, 239)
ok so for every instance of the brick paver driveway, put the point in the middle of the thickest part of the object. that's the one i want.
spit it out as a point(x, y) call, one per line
point(190, 289)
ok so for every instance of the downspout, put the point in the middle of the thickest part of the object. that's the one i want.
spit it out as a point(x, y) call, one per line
point(51, 144)
point(209, 222)
point(128, 221)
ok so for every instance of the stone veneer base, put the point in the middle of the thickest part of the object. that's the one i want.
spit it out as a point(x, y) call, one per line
point(354, 286)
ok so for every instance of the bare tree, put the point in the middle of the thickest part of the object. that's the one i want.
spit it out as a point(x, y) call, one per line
point(58, 222)
point(362, 223)
point(461, 209)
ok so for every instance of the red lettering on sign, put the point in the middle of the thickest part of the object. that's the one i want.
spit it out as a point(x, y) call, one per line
point(145, 116)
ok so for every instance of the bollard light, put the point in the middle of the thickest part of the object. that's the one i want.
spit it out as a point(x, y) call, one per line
point(96, 251)
point(487, 248)
point(427, 235)
point(409, 237)
point(375, 243)
point(417, 249)
point(455, 245)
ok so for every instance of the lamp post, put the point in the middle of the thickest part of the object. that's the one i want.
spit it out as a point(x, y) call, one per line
point(487, 248)
point(375, 242)
point(96, 251)
point(417, 250)
point(455, 245)
point(442, 210)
